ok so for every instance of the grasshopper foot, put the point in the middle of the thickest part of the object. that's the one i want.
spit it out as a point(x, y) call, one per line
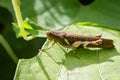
point(75, 54)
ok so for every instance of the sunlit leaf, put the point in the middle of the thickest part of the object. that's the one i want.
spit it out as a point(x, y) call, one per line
point(59, 63)
point(55, 14)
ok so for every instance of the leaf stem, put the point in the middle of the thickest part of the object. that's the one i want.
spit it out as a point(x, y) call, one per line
point(8, 49)
point(16, 6)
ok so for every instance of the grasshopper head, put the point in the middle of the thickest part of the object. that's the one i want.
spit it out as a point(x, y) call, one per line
point(50, 35)
point(54, 35)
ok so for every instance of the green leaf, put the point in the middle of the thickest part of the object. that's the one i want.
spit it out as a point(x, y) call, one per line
point(54, 14)
point(58, 63)
point(31, 28)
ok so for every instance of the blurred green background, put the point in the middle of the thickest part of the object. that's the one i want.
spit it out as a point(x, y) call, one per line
point(52, 14)
point(22, 48)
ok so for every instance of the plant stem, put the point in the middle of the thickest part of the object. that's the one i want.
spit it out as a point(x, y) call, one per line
point(8, 49)
point(16, 6)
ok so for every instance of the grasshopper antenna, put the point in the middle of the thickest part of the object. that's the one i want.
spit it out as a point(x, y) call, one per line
point(101, 33)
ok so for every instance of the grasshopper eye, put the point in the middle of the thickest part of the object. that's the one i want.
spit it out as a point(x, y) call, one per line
point(48, 32)
point(49, 35)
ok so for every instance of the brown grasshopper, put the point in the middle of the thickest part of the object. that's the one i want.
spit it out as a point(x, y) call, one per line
point(71, 40)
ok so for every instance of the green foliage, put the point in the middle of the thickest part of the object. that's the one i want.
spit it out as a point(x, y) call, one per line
point(56, 14)
point(60, 63)
point(31, 28)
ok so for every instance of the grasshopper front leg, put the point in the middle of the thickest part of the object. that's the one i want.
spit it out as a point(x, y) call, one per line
point(51, 45)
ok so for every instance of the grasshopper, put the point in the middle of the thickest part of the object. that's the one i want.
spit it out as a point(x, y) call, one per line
point(72, 40)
